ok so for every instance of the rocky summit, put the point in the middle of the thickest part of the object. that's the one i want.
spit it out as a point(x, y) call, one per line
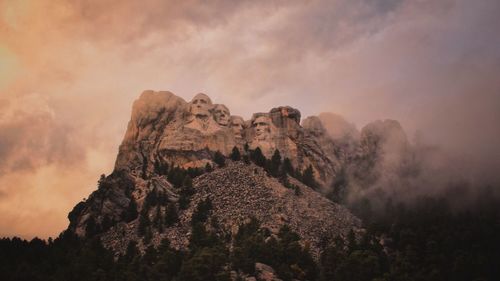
point(182, 163)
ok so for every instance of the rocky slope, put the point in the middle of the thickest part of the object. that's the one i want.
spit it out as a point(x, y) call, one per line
point(239, 192)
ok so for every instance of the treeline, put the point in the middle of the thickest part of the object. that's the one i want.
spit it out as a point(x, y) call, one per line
point(207, 258)
point(427, 240)
point(276, 167)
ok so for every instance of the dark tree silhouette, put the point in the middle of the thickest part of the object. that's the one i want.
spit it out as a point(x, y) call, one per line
point(258, 158)
point(308, 177)
point(219, 159)
point(171, 217)
point(235, 154)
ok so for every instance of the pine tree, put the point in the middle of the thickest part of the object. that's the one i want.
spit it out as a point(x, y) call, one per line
point(186, 192)
point(106, 223)
point(202, 211)
point(101, 182)
point(308, 177)
point(91, 228)
point(171, 216)
point(246, 159)
point(176, 176)
point(258, 158)
point(130, 213)
point(160, 167)
point(235, 154)
point(144, 174)
point(158, 220)
point(187, 183)
point(275, 164)
point(131, 253)
point(208, 168)
point(151, 199)
point(339, 187)
point(194, 172)
point(219, 159)
point(169, 261)
point(288, 167)
point(144, 222)
point(184, 200)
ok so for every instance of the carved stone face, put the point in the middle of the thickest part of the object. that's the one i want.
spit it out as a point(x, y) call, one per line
point(200, 105)
point(237, 125)
point(221, 115)
point(262, 127)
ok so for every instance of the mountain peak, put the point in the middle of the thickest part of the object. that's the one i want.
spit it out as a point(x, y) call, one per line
point(180, 157)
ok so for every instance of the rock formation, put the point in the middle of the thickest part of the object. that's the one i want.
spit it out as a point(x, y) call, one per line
point(166, 129)
point(166, 132)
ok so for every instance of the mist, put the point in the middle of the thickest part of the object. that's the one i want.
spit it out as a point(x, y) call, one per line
point(383, 166)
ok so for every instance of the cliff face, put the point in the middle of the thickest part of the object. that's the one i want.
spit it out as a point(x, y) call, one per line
point(167, 135)
point(165, 129)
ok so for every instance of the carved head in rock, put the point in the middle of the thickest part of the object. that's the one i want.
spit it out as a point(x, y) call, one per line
point(262, 127)
point(237, 125)
point(221, 115)
point(200, 105)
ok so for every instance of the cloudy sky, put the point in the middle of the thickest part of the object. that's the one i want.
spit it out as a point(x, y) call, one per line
point(70, 70)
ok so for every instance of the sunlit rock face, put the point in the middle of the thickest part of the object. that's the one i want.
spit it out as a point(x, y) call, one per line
point(152, 114)
point(165, 129)
point(238, 126)
point(168, 130)
point(200, 117)
point(222, 115)
point(262, 133)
